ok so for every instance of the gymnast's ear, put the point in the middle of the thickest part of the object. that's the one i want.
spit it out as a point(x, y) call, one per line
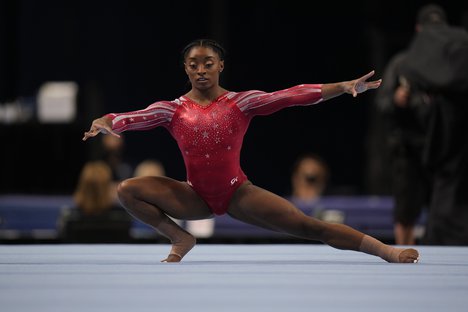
point(221, 66)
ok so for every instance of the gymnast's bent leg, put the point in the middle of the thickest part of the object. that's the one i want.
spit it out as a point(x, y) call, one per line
point(153, 199)
point(257, 206)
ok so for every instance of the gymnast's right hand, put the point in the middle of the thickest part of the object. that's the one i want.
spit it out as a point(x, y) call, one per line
point(99, 125)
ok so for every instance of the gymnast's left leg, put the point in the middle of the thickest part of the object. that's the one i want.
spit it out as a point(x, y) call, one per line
point(257, 206)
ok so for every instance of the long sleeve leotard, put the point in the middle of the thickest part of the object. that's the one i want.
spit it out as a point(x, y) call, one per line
point(210, 137)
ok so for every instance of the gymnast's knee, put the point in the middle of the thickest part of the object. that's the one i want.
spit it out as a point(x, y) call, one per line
point(125, 191)
point(136, 188)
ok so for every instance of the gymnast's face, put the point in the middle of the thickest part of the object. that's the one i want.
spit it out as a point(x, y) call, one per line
point(203, 67)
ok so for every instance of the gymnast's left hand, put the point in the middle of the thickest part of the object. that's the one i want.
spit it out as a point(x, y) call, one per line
point(361, 85)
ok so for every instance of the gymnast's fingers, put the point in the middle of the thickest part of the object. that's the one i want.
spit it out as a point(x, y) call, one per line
point(367, 76)
point(91, 133)
point(374, 84)
point(109, 131)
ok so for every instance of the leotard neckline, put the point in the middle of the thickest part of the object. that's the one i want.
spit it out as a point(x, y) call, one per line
point(211, 103)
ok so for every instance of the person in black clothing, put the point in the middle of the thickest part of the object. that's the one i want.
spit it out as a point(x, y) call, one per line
point(437, 64)
point(406, 109)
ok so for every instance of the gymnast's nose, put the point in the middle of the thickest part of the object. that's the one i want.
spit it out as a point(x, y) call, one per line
point(201, 70)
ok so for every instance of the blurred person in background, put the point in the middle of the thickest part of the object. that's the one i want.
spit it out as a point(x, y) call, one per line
point(437, 64)
point(96, 216)
point(309, 180)
point(406, 110)
point(149, 168)
point(113, 154)
point(209, 123)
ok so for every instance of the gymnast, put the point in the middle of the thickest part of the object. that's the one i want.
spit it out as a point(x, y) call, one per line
point(209, 124)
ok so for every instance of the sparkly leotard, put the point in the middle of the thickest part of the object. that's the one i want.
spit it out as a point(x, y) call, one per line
point(210, 137)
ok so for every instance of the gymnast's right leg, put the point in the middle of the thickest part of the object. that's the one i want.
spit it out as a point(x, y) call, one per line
point(153, 199)
point(260, 207)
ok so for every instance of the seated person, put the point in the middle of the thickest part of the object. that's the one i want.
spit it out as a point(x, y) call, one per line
point(308, 180)
point(113, 155)
point(96, 217)
point(150, 168)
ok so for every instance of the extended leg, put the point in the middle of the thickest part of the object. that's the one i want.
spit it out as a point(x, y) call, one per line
point(153, 199)
point(257, 206)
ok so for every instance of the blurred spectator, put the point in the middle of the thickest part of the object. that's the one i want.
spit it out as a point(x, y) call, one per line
point(406, 110)
point(437, 64)
point(308, 180)
point(113, 149)
point(309, 177)
point(149, 167)
point(96, 217)
point(112, 154)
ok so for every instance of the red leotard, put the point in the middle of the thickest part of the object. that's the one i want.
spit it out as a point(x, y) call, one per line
point(210, 137)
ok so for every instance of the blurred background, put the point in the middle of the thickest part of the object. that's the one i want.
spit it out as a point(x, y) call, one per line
point(114, 56)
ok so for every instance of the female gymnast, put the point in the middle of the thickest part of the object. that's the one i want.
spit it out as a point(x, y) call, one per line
point(209, 124)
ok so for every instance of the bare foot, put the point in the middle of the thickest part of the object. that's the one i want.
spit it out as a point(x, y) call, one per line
point(180, 248)
point(409, 256)
point(172, 258)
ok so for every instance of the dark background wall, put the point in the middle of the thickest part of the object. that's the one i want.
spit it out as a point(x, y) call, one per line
point(124, 55)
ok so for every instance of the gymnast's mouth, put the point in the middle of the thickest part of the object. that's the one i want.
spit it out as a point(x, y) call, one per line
point(202, 79)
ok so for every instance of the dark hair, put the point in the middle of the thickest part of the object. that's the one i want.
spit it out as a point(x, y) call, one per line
point(204, 43)
point(431, 14)
point(315, 158)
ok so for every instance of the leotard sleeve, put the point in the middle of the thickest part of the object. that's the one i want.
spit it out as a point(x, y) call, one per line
point(155, 115)
point(253, 103)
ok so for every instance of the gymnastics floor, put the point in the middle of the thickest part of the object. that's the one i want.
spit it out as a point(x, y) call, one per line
point(228, 278)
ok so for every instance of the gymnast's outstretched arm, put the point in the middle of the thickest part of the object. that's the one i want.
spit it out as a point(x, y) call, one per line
point(259, 103)
point(354, 87)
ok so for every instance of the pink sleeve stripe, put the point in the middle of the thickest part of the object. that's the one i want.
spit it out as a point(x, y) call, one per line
point(157, 114)
point(261, 103)
point(287, 95)
point(244, 97)
point(143, 125)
